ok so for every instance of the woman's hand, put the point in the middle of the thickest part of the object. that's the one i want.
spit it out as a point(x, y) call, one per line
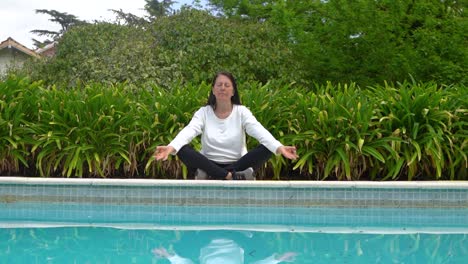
point(287, 257)
point(161, 252)
point(162, 152)
point(288, 152)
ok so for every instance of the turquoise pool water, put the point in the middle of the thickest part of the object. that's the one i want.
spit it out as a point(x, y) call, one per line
point(111, 245)
point(112, 221)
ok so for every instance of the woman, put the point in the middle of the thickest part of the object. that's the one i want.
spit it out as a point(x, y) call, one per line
point(223, 251)
point(223, 123)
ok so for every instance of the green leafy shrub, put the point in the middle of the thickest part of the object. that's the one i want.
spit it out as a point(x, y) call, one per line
point(183, 48)
point(413, 131)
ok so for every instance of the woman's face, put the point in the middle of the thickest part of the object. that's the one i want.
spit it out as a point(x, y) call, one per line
point(223, 89)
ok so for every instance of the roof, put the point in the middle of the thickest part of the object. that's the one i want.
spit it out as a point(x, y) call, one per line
point(47, 50)
point(11, 43)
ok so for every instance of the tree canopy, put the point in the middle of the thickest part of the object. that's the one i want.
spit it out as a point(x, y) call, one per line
point(368, 41)
point(65, 20)
point(306, 42)
point(157, 8)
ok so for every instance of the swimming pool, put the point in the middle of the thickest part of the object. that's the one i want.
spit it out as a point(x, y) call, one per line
point(324, 222)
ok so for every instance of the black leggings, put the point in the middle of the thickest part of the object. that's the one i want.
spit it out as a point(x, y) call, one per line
point(195, 160)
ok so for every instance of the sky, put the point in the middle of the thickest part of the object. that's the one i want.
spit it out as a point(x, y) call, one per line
point(18, 17)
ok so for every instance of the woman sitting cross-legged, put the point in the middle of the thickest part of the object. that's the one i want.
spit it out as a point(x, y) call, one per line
point(223, 123)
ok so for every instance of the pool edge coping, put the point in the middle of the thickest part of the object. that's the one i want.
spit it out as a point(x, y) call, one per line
point(257, 228)
point(227, 184)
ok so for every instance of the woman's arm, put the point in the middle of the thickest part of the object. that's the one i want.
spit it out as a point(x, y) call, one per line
point(173, 258)
point(185, 136)
point(193, 129)
point(274, 259)
point(255, 129)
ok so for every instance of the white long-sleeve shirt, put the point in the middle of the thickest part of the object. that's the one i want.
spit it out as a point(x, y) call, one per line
point(223, 140)
point(176, 259)
point(223, 251)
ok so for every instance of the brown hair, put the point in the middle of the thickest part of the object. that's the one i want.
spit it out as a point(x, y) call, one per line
point(235, 99)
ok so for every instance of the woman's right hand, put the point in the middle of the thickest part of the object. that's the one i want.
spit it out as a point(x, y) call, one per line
point(288, 152)
point(161, 252)
point(163, 152)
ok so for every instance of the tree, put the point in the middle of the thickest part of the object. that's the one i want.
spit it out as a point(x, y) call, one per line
point(41, 44)
point(65, 20)
point(157, 8)
point(367, 41)
point(130, 19)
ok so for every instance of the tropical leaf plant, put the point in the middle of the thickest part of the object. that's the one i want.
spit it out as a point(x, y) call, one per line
point(409, 131)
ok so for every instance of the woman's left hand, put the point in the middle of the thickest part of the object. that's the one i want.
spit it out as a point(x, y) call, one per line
point(288, 152)
point(287, 257)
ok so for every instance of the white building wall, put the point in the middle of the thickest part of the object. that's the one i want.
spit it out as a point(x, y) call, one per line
point(11, 58)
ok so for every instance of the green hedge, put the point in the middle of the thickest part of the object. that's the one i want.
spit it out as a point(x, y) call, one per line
point(184, 48)
point(410, 131)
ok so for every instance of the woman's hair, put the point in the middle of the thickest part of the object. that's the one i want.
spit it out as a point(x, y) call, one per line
point(235, 99)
